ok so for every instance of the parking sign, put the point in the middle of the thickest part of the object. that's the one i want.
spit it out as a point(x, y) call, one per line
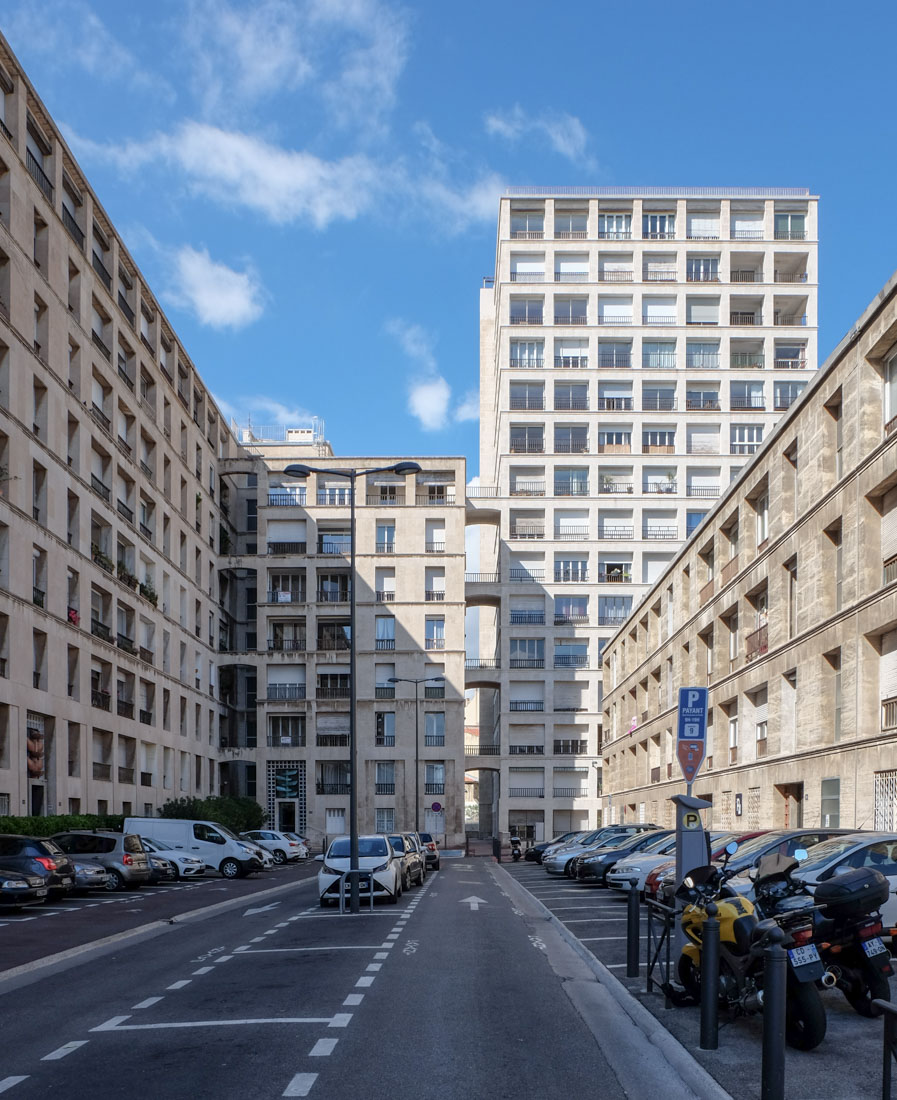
point(691, 737)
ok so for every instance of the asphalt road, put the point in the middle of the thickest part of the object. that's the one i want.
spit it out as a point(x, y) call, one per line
point(453, 992)
point(847, 1064)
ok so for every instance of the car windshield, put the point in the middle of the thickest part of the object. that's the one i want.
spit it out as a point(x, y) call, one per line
point(225, 830)
point(367, 846)
point(159, 845)
point(397, 842)
point(748, 851)
point(427, 838)
point(52, 848)
point(293, 836)
point(822, 854)
point(617, 841)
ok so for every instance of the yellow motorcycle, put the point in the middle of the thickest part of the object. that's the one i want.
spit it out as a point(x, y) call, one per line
point(743, 938)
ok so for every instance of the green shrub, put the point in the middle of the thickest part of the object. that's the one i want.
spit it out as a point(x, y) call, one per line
point(60, 823)
point(238, 814)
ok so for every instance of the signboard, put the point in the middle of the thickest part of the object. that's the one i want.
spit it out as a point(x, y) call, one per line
point(436, 807)
point(738, 805)
point(691, 734)
point(691, 819)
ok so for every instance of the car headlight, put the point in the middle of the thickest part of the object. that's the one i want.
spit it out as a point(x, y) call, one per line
point(330, 870)
point(381, 867)
point(247, 851)
point(14, 884)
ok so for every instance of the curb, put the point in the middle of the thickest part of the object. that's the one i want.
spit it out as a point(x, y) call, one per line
point(155, 926)
point(678, 1057)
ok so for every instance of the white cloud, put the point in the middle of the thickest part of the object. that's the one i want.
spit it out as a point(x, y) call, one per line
point(263, 411)
point(217, 295)
point(564, 133)
point(469, 408)
point(429, 395)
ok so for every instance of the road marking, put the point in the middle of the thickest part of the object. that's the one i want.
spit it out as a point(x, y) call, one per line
point(245, 948)
point(261, 909)
point(203, 970)
point(283, 924)
point(353, 999)
point(288, 950)
point(382, 955)
point(62, 1051)
point(593, 920)
point(373, 968)
point(270, 932)
point(179, 985)
point(301, 1084)
point(363, 982)
point(604, 939)
point(474, 902)
point(150, 1001)
point(322, 1048)
point(224, 959)
point(8, 1082)
point(257, 939)
point(393, 936)
point(341, 1019)
point(116, 1023)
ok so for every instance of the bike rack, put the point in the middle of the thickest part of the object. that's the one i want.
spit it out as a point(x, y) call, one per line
point(661, 922)
point(343, 879)
point(889, 1046)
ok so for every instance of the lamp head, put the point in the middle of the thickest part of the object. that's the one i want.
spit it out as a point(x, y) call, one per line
point(436, 678)
point(392, 680)
point(407, 468)
point(297, 470)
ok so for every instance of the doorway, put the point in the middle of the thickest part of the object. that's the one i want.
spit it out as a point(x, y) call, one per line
point(286, 816)
point(791, 800)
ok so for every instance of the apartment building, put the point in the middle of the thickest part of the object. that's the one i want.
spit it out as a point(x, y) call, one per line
point(636, 347)
point(785, 605)
point(290, 664)
point(110, 503)
point(186, 619)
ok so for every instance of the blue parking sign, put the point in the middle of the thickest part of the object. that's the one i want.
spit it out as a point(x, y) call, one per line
point(691, 735)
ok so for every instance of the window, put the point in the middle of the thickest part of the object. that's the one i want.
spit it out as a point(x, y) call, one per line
point(702, 355)
point(435, 634)
point(744, 439)
point(790, 227)
point(570, 311)
point(385, 632)
point(786, 393)
point(386, 819)
point(386, 537)
point(659, 438)
point(570, 224)
point(526, 311)
point(890, 403)
point(830, 803)
point(692, 522)
point(791, 582)
point(761, 506)
point(527, 224)
point(614, 227)
point(434, 728)
point(658, 227)
point(434, 779)
point(527, 653)
point(659, 354)
point(385, 725)
point(702, 269)
point(527, 353)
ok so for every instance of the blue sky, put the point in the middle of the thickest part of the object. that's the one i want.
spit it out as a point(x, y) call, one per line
point(311, 186)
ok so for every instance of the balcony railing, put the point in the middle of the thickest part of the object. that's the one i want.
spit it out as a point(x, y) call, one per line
point(756, 643)
point(531, 319)
point(100, 630)
point(705, 361)
point(340, 691)
point(146, 717)
point(287, 645)
point(37, 596)
point(606, 532)
point(744, 317)
point(527, 446)
point(281, 499)
point(608, 486)
point(527, 531)
point(659, 487)
point(342, 497)
point(889, 714)
point(603, 319)
point(434, 740)
point(332, 740)
point(385, 499)
point(614, 404)
point(381, 548)
point(791, 234)
point(74, 230)
point(526, 792)
point(571, 362)
point(434, 547)
point(528, 488)
point(126, 643)
point(563, 403)
point(279, 693)
point(100, 699)
point(747, 360)
point(390, 643)
point(527, 276)
point(39, 176)
point(338, 546)
point(281, 595)
point(571, 488)
point(729, 570)
point(571, 748)
point(790, 320)
point(433, 595)
point(571, 660)
point(529, 705)
point(611, 620)
point(382, 596)
point(431, 643)
point(527, 234)
point(293, 740)
point(790, 364)
point(615, 576)
point(332, 788)
point(286, 548)
point(571, 792)
point(659, 533)
point(434, 788)
point(745, 275)
point(385, 691)
point(100, 489)
point(526, 576)
point(571, 446)
point(758, 403)
point(125, 708)
point(571, 576)
point(743, 448)
point(615, 276)
point(102, 771)
point(526, 618)
point(526, 364)
point(658, 404)
point(702, 490)
point(384, 788)
point(330, 643)
point(695, 404)
point(481, 664)
point(326, 595)
point(889, 570)
point(658, 318)
point(571, 534)
point(475, 492)
point(569, 319)
point(482, 750)
point(526, 662)
point(480, 578)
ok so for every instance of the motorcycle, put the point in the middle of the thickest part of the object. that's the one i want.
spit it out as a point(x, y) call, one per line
point(516, 848)
point(743, 937)
point(846, 925)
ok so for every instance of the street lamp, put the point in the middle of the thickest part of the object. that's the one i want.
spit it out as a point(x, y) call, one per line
point(417, 683)
point(302, 471)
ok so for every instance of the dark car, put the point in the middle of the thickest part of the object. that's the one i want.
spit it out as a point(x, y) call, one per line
point(593, 866)
point(534, 853)
point(41, 857)
point(17, 888)
point(413, 870)
point(431, 850)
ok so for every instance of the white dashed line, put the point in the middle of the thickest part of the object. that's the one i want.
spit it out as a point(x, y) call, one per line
point(393, 936)
point(179, 985)
point(62, 1051)
point(203, 970)
point(353, 999)
point(340, 1019)
point(150, 1001)
point(300, 1085)
point(8, 1082)
point(322, 1048)
point(382, 955)
point(363, 983)
point(258, 939)
point(224, 959)
point(270, 932)
point(384, 945)
point(373, 967)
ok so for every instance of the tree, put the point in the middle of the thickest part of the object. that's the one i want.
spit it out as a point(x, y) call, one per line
point(237, 814)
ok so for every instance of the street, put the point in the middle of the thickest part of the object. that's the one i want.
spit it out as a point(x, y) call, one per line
point(454, 991)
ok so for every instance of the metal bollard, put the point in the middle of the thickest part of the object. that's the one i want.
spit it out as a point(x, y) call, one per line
point(633, 928)
point(775, 981)
point(496, 849)
point(710, 980)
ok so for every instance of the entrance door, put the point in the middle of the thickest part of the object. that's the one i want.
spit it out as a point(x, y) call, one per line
point(335, 823)
point(792, 796)
point(37, 799)
point(434, 822)
point(286, 816)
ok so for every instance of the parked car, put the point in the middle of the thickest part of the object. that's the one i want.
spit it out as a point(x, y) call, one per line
point(18, 888)
point(281, 846)
point(592, 866)
point(639, 864)
point(413, 870)
point(218, 848)
point(38, 856)
point(121, 854)
point(89, 876)
point(185, 866)
point(431, 850)
point(534, 853)
point(374, 855)
point(657, 878)
point(420, 848)
point(562, 861)
point(161, 869)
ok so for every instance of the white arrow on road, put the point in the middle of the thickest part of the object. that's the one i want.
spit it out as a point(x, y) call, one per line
point(474, 902)
point(261, 909)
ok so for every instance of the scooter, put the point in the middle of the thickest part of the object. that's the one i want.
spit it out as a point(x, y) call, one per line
point(516, 848)
point(743, 938)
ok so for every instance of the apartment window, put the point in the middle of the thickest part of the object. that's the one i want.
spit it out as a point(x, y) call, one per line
point(786, 393)
point(790, 227)
point(659, 437)
point(385, 725)
point(570, 311)
point(527, 353)
point(614, 227)
point(833, 660)
point(435, 634)
point(733, 737)
point(791, 585)
point(385, 819)
point(835, 538)
point(732, 626)
point(386, 537)
point(570, 224)
point(693, 521)
point(659, 354)
point(527, 225)
point(385, 626)
point(744, 439)
point(890, 401)
point(527, 653)
point(526, 395)
point(613, 610)
point(761, 506)
point(527, 439)
point(830, 803)
point(434, 779)
point(658, 227)
point(434, 728)
point(702, 269)
point(526, 311)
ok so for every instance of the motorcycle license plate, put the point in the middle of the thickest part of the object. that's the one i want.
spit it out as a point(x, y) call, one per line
point(803, 956)
point(873, 947)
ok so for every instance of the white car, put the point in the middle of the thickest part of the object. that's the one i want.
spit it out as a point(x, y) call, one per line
point(375, 854)
point(844, 853)
point(186, 866)
point(639, 865)
point(281, 846)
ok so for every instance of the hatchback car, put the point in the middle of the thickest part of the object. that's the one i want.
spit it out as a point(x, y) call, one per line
point(161, 869)
point(39, 856)
point(374, 856)
point(18, 888)
point(562, 861)
point(843, 853)
point(281, 846)
point(637, 866)
point(431, 850)
point(413, 870)
point(185, 866)
point(122, 854)
point(534, 852)
point(89, 876)
point(593, 866)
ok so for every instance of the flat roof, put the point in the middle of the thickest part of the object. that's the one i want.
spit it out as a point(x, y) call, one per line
point(662, 192)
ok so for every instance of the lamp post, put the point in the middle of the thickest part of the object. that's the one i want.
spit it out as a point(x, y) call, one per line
point(417, 683)
point(302, 471)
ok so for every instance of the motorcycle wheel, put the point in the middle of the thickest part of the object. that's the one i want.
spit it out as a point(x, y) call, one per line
point(689, 976)
point(805, 1019)
point(875, 987)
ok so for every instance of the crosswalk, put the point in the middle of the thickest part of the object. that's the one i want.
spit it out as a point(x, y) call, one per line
point(93, 901)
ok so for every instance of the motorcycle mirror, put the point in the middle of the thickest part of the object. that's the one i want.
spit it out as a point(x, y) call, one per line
point(801, 854)
point(732, 847)
point(689, 882)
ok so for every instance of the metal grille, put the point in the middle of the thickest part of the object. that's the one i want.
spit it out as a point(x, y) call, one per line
point(301, 810)
point(753, 808)
point(885, 801)
point(725, 812)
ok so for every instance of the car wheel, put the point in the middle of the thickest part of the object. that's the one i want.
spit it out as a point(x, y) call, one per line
point(324, 903)
point(436, 865)
point(279, 857)
point(115, 881)
point(421, 875)
point(394, 897)
point(230, 868)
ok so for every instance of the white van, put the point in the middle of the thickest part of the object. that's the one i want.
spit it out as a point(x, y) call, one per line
point(218, 848)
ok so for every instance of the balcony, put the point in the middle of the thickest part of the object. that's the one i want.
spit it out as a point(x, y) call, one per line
point(526, 364)
point(385, 740)
point(482, 750)
point(608, 486)
point(100, 345)
point(888, 714)
point(571, 576)
point(526, 662)
point(574, 660)
point(384, 788)
point(606, 532)
point(615, 576)
point(706, 591)
point(527, 276)
point(526, 750)
point(382, 596)
point(124, 708)
point(434, 547)
point(101, 270)
point(571, 534)
point(571, 362)
point(658, 319)
point(146, 717)
point(745, 275)
point(380, 548)
point(658, 449)
point(338, 546)
point(702, 490)
point(615, 276)
point(287, 645)
point(526, 576)
point(385, 691)
point(744, 317)
point(889, 570)
point(146, 655)
point(563, 403)
point(570, 792)
point(571, 488)
point(702, 277)
point(102, 771)
point(621, 320)
point(526, 705)
point(526, 618)
point(729, 570)
point(284, 693)
point(281, 595)
point(100, 699)
point(747, 360)
point(658, 404)
point(74, 230)
point(433, 595)
point(791, 276)
point(332, 788)
point(791, 234)
point(329, 643)
point(434, 788)
point(526, 792)
point(282, 499)
point(756, 643)
point(789, 320)
point(571, 748)
point(390, 643)
point(611, 620)
point(38, 596)
point(790, 364)
point(431, 643)
point(126, 643)
point(571, 446)
point(434, 740)
point(478, 578)
point(527, 447)
point(527, 531)
point(276, 548)
point(332, 740)
point(528, 489)
point(694, 404)
point(743, 448)
point(434, 691)
point(124, 510)
point(659, 533)
point(527, 234)
point(614, 404)
point(569, 319)
point(658, 275)
point(757, 403)
point(39, 176)
point(524, 319)
point(326, 595)
point(100, 630)
point(483, 664)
